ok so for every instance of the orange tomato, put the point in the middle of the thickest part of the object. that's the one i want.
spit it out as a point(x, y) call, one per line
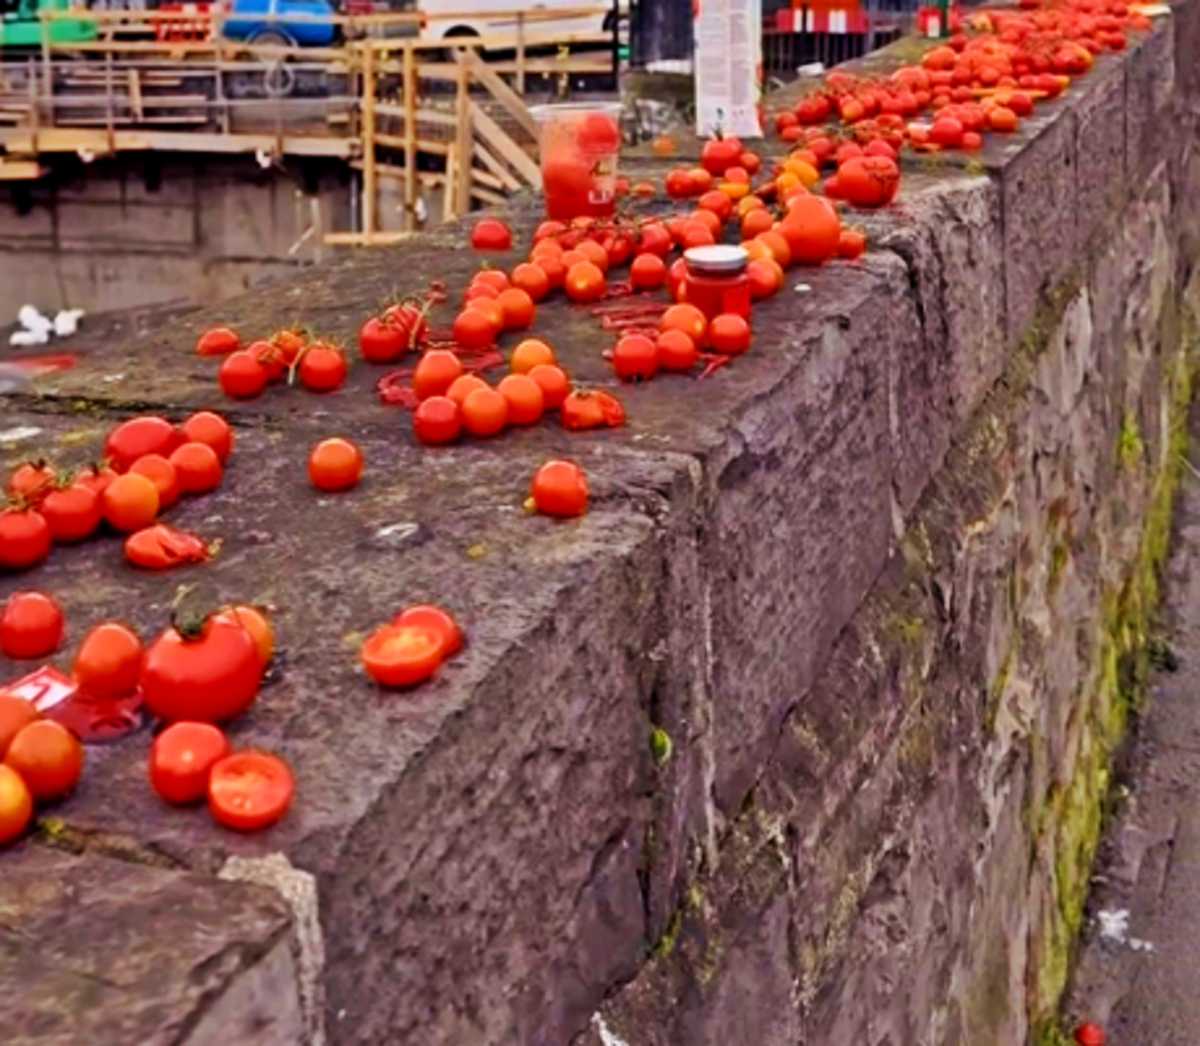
point(109, 661)
point(402, 655)
point(335, 465)
point(585, 283)
point(48, 757)
point(484, 412)
point(130, 502)
point(526, 402)
point(554, 383)
point(676, 350)
point(16, 805)
point(756, 221)
point(686, 318)
point(475, 329)
point(593, 252)
point(257, 624)
point(517, 309)
point(162, 474)
point(812, 229)
point(766, 277)
point(647, 272)
point(436, 373)
point(463, 386)
point(778, 245)
point(532, 279)
point(560, 489)
point(529, 354)
point(15, 714)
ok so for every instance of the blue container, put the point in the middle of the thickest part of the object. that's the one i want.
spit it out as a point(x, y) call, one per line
point(246, 21)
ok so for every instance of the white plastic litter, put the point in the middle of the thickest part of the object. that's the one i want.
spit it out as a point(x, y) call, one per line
point(66, 322)
point(22, 339)
point(36, 329)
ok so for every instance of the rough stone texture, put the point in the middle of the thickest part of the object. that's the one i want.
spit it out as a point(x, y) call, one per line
point(883, 582)
point(103, 951)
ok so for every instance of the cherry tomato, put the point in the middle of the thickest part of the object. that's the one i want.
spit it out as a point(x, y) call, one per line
point(647, 272)
point(162, 474)
point(766, 278)
point(182, 758)
point(526, 403)
point(410, 319)
point(403, 655)
point(15, 714)
point(729, 334)
point(146, 435)
point(96, 478)
point(475, 329)
point(25, 538)
point(491, 234)
point(335, 464)
point(72, 513)
point(852, 243)
point(655, 239)
point(30, 626)
point(560, 489)
point(31, 480)
point(323, 368)
point(585, 282)
point(695, 233)
point(437, 620)
point(532, 279)
point(48, 757)
point(437, 421)
point(716, 202)
point(249, 791)
point(530, 353)
point(554, 383)
point(130, 502)
point(756, 222)
point(686, 318)
point(676, 351)
point(382, 341)
point(256, 622)
point(243, 376)
point(109, 661)
point(463, 386)
point(1003, 119)
point(493, 277)
point(552, 265)
point(596, 254)
point(209, 675)
point(778, 245)
point(484, 412)
point(16, 806)
point(210, 428)
point(635, 358)
point(198, 468)
point(720, 154)
point(517, 308)
point(161, 547)
point(435, 373)
point(217, 341)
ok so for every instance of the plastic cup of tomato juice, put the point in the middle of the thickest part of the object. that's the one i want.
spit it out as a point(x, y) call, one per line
point(579, 144)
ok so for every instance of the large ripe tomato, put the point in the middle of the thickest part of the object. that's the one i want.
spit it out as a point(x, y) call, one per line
point(162, 474)
point(435, 618)
point(437, 421)
point(249, 791)
point(30, 626)
point(31, 480)
point(560, 489)
point(48, 757)
point(15, 714)
point(25, 539)
point(16, 806)
point(869, 181)
point(255, 621)
point(161, 548)
point(109, 661)
point(209, 674)
point(217, 341)
point(130, 502)
point(72, 513)
point(812, 229)
point(207, 427)
point(244, 375)
point(323, 368)
point(182, 758)
point(334, 465)
point(403, 655)
point(146, 435)
point(491, 234)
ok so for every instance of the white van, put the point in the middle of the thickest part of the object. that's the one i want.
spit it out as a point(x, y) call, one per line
point(449, 18)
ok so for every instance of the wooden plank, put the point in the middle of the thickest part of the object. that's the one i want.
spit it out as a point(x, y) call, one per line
point(20, 170)
point(423, 115)
point(410, 139)
point(356, 239)
point(135, 91)
point(72, 139)
point(498, 169)
point(504, 94)
point(399, 141)
point(487, 196)
point(396, 172)
point(464, 136)
point(368, 142)
point(448, 214)
point(483, 178)
point(509, 151)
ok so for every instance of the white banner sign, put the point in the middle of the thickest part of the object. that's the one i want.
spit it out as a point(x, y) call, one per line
point(728, 66)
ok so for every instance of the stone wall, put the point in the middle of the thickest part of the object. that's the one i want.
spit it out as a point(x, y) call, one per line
point(802, 734)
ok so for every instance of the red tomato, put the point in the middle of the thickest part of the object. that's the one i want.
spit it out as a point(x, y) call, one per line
point(182, 758)
point(15, 714)
point(323, 368)
point(554, 383)
point(532, 279)
point(24, 538)
point(159, 471)
point(491, 234)
point(720, 154)
point(436, 421)
point(198, 468)
point(484, 412)
point(517, 308)
point(717, 203)
point(812, 228)
point(729, 334)
point(256, 622)
point(217, 341)
point(475, 329)
point(695, 234)
point(335, 464)
point(31, 480)
point(209, 675)
point(382, 341)
point(526, 403)
point(109, 661)
point(585, 283)
point(48, 757)
point(72, 513)
point(210, 428)
point(947, 132)
point(560, 489)
point(852, 243)
point(249, 791)
point(647, 272)
point(161, 547)
point(436, 373)
point(686, 318)
point(676, 351)
point(16, 805)
point(635, 358)
point(131, 439)
point(436, 619)
point(655, 239)
point(96, 478)
point(403, 655)
point(30, 626)
point(243, 376)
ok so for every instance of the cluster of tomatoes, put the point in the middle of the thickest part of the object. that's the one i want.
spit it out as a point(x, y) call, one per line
point(286, 356)
point(978, 82)
point(149, 465)
point(193, 676)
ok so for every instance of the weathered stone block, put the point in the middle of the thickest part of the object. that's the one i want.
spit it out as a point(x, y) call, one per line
point(1100, 148)
point(1150, 87)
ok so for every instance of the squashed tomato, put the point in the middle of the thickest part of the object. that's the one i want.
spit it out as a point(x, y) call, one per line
point(249, 791)
point(30, 626)
point(402, 655)
point(161, 547)
point(436, 619)
point(182, 758)
point(560, 489)
point(48, 757)
point(591, 409)
point(31, 480)
point(16, 806)
point(209, 673)
point(335, 465)
point(109, 661)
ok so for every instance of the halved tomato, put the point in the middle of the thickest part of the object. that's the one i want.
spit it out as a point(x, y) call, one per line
point(439, 621)
point(248, 791)
point(403, 655)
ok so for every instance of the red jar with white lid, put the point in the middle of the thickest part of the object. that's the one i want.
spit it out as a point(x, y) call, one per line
point(716, 281)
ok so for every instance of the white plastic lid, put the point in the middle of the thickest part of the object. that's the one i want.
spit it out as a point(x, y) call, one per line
point(718, 259)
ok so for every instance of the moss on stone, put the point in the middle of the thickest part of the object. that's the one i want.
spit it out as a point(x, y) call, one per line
point(1130, 447)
